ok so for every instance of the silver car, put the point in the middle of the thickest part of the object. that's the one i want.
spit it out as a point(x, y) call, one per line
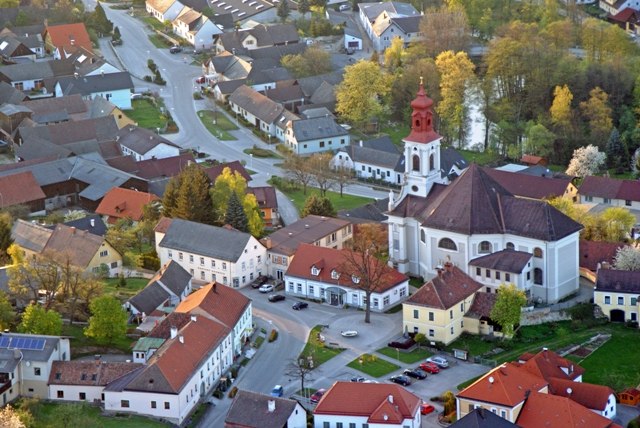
point(439, 361)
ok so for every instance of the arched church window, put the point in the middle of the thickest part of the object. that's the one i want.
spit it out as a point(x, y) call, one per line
point(537, 252)
point(510, 246)
point(447, 244)
point(423, 236)
point(484, 247)
point(537, 276)
point(415, 163)
point(432, 162)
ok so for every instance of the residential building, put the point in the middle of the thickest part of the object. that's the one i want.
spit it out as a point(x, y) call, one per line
point(616, 292)
point(91, 223)
point(256, 109)
point(65, 39)
point(196, 28)
point(144, 144)
point(254, 410)
point(384, 21)
point(599, 399)
point(614, 7)
point(28, 193)
point(430, 222)
point(57, 109)
point(549, 365)
point(506, 266)
point(13, 50)
point(26, 361)
point(554, 410)
point(322, 231)
point(315, 135)
point(597, 254)
point(119, 204)
point(100, 107)
point(628, 19)
point(482, 418)
point(533, 187)
point(64, 244)
point(164, 10)
point(267, 204)
point(320, 273)
point(211, 253)
point(114, 87)
point(379, 159)
point(36, 79)
point(257, 37)
point(610, 191)
point(234, 166)
point(29, 35)
point(367, 404)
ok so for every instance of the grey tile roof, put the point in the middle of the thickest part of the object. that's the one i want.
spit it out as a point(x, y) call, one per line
point(450, 157)
point(256, 104)
point(482, 418)
point(408, 24)
point(505, 260)
point(265, 35)
point(372, 212)
point(211, 241)
point(88, 85)
point(27, 71)
point(174, 277)
point(149, 298)
point(11, 109)
point(306, 230)
point(250, 409)
point(312, 83)
point(228, 86)
point(394, 8)
point(11, 95)
point(141, 140)
point(618, 281)
point(92, 224)
point(100, 177)
point(316, 128)
point(8, 355)
point(30, 236)
point(371, 156)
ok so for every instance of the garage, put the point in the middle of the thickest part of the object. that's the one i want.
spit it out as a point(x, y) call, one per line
point(616, 315)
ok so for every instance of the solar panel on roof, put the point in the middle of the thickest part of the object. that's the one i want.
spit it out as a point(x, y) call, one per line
point(4, 342)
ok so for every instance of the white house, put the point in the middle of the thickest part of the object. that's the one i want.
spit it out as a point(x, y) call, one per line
point(260, 111)
point(211, 253)
point(164, 10)
point(506, 267)
point(195, 28)
point(431, 223)
point(610, 191)
point(314, 135)
point(254, 410)
point(378, 158)
point(384, 21)
point(386, 405)
point(114, 87)
point(144, 144)
point(320, 273)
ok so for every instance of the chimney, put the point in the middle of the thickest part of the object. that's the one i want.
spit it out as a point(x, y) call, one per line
point(448, 266)
point(174, 332)
point(360, 143)
point(92, 222)
point(75, 74)
point(440, 270)
point(569, 391)
point(390, 398)
point(194, 318)
point(267, 243)
point(102, 73)
point(73, 230)
point(271, 406)
point(181, 339)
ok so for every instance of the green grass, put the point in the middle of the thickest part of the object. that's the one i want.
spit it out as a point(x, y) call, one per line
point(261, 153)
point(134, 285)
point(259, 341)
point(397, 132)
point(372, 365)
point(220, 128)
point(153, 23)
point(416, 282)
point(146, 114)
point(406, 357)
point(321, 353)
point(394, 309)
point(159, 41)
point(346, 202)
point(45, 416)
point(79, 340)
point(481, 158)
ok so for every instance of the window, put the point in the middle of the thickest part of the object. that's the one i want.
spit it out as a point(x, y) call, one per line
point(114, 265)
point(447, 244)
point(299, 288)
point(225, 280)
point(213, 264)
point(416, 314)
point(311, 289)
point(321, 143)
point(620, 300)
point(82, 396)
point(634, 301)
point(335, 274)
point(488, 290)
point(36, 371)
point(60, 394)
point(432, 332)
point(634, 316)
point(153, 405)
point(385, 300)
point(352, 425)
point(236, 282)
point(430, 316)
point(588, 198)
point(355, 279)
point(315, 271)
point(507, 277)
point(607, 300)
point(259, 259)
point(375, 302)
point(170, 254)
point(180, 256)
point(487, 273)
point(403, 292)
point(422, 236)
point(529, 276)
point(484, 247)
point(450, 314)
point(627, 203)
point(606, 200)
point(104, 253)
point(503, 413)
point(224, 265)
point(244, 266)
point(432, 162)
point(201, 261)
point(462, 307)
point(124, 404)
point(190, 258)
point(415, 163)
point(537, 276)
point(537, 253)
point(497, 275)
point(451, 329)
point(167, 405)
point(202, 275)
point(478, 271)
point(510, 246)
point(338, 424)
point(326, 425)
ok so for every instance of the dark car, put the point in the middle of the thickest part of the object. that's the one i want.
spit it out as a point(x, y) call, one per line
point(358, 379)
point(259, 281)
point(400, 379)
point(415, 373)
point(317, 395)
point(175, 49)
point(298, 306)
point(276, 297)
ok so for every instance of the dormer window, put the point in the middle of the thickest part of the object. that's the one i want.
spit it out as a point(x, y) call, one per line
point(355, 279)
point(315, 271)
point(335, 274)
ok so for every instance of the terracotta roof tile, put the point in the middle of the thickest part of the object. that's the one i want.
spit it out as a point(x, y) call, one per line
point(165, 167)
point(445, 290)
point(558, 412)
point(92, 373)
point(163, 329)
point(67, 35)
point(591, 396)
point(593, 253)
point(218, 302)
point(19, 188)
point(482, 305)
point(124, 203)
point(547, 364)
point(163, 225)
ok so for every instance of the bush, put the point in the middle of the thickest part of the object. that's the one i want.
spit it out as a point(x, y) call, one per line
point(232, 392)
point(581, 312)
point(150, 261)
point(148, 78)
point(197, 96)
point(402, 345)
point(152, 65)
point(234, 372)
point(273, 336)
point(634, 423)
point(632, 324)
point(218, 394)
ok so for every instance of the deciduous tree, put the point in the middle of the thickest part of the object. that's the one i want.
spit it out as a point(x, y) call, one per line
point(9, 418)
point(255, 224)
point(7, 314)
point(300, 368)
point(320, 167)
point(405, 86)
point(108, 320)
point(444, 29)
point(38, 320)
point(394, 54)
point(27, 276)
point(297, 169)
point(311, 62)
point(318, 205)
point(506, 311)
point(597, 112)
point(187, 196)
point(6, 223)
point(361, 96)
point(586, 161)
point(303, 7)
point(627, 258)
point(539, 140)
point(617, 222)
point(560, 110)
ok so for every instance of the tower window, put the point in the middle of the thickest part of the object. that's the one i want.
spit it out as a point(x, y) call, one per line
point(415, 163)
point(417, 123)
point(432, 162)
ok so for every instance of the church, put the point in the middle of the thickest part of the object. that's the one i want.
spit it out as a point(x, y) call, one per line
point(476, 224)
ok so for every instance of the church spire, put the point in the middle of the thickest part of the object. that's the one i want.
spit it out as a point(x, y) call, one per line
point(422, 118)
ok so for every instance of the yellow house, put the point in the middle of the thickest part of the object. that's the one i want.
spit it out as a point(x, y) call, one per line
point(439, 307)
point(616, 293)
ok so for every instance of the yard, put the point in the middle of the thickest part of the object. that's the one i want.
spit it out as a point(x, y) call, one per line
point(112, 286)
point(415, 356)
point(83, 345)
point(321, 353)
point(346, 202)
point(159, 41)
point(372, 365)
point(220, 127)
point(261, 153)
point(146, 115)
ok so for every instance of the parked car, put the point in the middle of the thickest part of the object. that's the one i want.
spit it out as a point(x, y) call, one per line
point(201, 79)
point(276, 297)
point(316, 396)
point(344, 7)
point(259, 281)
point(441, 362)
point(415, 373)
point(266, 288)
point(429, 367)
point(426, 408)
point(358, 379)
point(298, 306)
point(401, 379)
point(116, 42)
point(175, 49)
point(277, 391)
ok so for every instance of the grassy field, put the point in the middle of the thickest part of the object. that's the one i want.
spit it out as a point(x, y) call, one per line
point(111, 286)
point(373, 366)
point(153, 23)
point(321, 353)
point(415, 356)
point(47, 415)
point(262, 153)
point(481, 158)
point(346, 202)
point(159, 41)
point(220, 128)
point(146, 114)
point(80, 341)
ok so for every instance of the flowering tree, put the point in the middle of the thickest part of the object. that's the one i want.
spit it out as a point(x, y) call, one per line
point(586, 161)
point(627, 258)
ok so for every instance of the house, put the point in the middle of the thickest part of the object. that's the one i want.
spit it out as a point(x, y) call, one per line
point(530, 186)
point(164, 10)
point(63, 40)
point(10, 95)
point(100, 107)
point(256, 109)
point(27, 193)
point(267, 204)
point(482, 418)
point(92, 224)
point(385, 20)
point(318, 134)
point(254, 410)
point(257, 37)
point(320, 273)
point(506, 266)
point(369, 404)
point(288, 93)
point(169, 286)
point(64, 244)
point(143, 144)
point(161, 330)
point(317, 230)
point(549, 365)
point(610, 191)
point(58, 109)
point(196, 28)
point(379, 159)
point(13, 50)
point(352, 35)
point(26, 362)
point(431, 222)
point(629, 396)
point(37, 79)
point(168, 167)
point(373, 212)
point(616, 293)
point(628, 19)
point(599, 399)
point(29, 35)
point(234, 166)
point(211, 253)
point(85, 380)
point(121, 203)
point(235, 11)
point(615, 7)
point(114, 87)
point(532, 160)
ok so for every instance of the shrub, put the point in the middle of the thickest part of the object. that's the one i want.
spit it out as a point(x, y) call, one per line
point(402, 345)
point(152, 65)
point(581, 312)
point(234, 372)
point(122, 281)
point(632, 324)
point(150, 261)
point(197, 96)
point(218, 394)
point(273, 336)
point(634, 423)
point(232, 392)
point(148, 78)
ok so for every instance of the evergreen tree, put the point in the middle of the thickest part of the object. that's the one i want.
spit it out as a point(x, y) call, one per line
point(283, 10)
point(116, 34)
point(235, 214)
point(187, 196)
point(616, 152)
point(318, 205)
point(303, 7)
point(99, 20)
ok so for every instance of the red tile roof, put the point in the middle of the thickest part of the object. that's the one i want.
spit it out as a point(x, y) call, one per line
point(369, 399)
point(93, 373)
point(506, 385)
point(162, 330)
point(593, 253)
point(67, 35)
point(551, 411)
point(625, 15)
point(547, 364)
point(19, 188)
point(604, 187)
point(163, 225)
point(591, 396)
point(124, 203)
point(328, 260)
point(445, 290)
point(533, 160)
point(217, 301)
point(530, 186)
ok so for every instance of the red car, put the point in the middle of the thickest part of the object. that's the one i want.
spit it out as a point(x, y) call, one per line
point(430, 367)
point(317, 395)
point(425, 408)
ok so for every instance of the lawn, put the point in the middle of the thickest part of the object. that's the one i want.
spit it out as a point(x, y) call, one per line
point(321, 353)
point(220, 127)
point(45, 416)
point(111, 286)
point(372, 365)
point(412, 357)
point(159, 41)
point(146, 114)
point(397, 132)
point(481, 158)
point(346, 202)
point(80, 341)
point(153, 23)
point(261, 153)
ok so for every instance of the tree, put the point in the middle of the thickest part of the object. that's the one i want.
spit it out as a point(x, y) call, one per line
point(283, 10)
point(187, 196)
point(116, 34)
point(38, 320)
point(539, 140)
point(108, 320)
point(444, 29)
point(77, 286)
point(366, 260)
point(617, 156)
point(9, 418)
point(311, 62)
point(320, 167)
point(29, 276)
point(318, 205)
point(121, 235)
point(235, 214)
point(394, 54)
point(303, 7)
point(617, 222)
point(228, 183)
point(420, 339)
point(342, 176)
point(627, 258)
point(506, 311)
point(297, 168)
point(300, 368)
point(586, 161)
point(405, 86)
point(255, 224)
point(597, 112)
point(561, 107)
point(99, 22)
point(7, 314)
point(6, 224)
point(361, 95)
point(456, 72)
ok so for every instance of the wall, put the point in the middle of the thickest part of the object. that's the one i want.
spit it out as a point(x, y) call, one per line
point(112, 257)
point(72, 392)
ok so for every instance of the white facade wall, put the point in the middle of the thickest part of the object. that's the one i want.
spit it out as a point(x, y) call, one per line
point(316, 146)
point(72, 392)
point(27, 85)
point(611, 409)
point(351, 42)
point(333, 420)
point(160, 151)
point(242, 330)
point(631, 205)
point(169, 15)
point(121, 98)
point(106, 68)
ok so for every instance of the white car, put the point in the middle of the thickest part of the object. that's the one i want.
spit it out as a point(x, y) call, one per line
point(267, 288)
point(439, 361)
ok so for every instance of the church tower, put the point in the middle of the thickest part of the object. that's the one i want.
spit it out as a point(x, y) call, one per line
point(421, 148)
